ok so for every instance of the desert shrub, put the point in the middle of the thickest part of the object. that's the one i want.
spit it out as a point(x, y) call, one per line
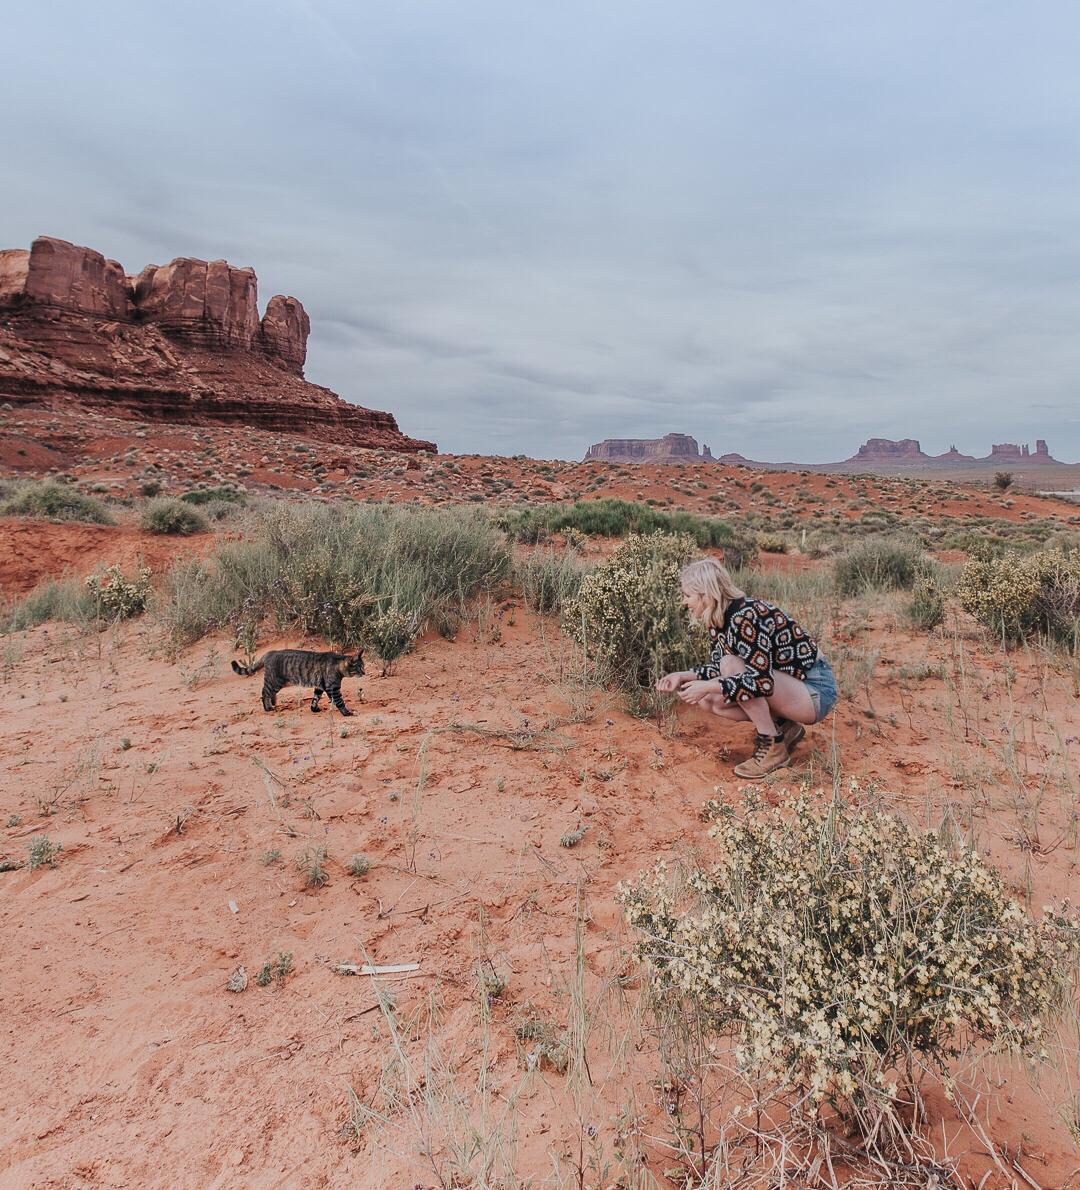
point(224, 493)
point(55, 502)
point(628, 614)
point(166, 514)
point(837, 948)
point(1017, 596)
point(548, 579)
point(390, 635)
point(1003, 480)
point(332, 570)
point(879, 564)
point(116, 597)
point(618, 518)
point(574, 538)
point(772, 543)
point(65, 600)
point(927, 607)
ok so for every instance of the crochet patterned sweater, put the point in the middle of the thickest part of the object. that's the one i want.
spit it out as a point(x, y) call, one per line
point(766, 639)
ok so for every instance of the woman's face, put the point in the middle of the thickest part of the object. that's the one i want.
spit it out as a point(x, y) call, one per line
point(694, 602)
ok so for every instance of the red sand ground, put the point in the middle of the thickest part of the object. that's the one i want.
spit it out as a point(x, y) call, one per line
point(128, 1063)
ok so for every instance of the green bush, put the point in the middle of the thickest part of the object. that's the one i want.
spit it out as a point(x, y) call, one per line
point(390, 635)
point(879, 564)
point(1016, 596)
point(628, 614)
point(618, 518)
point(331, 569)
point(118, 598)
point(548, 579)
point(55, 502)
point(64, 600)
point(210, 495)
point(839, 949)
point(165, 514)
point(927, 607)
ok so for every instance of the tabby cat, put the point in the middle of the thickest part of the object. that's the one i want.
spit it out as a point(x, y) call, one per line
point(297, 667)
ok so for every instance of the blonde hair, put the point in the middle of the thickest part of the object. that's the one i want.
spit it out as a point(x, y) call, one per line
point(710, 578)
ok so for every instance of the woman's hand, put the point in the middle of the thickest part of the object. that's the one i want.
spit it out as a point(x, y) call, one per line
point(694, 692)
point(670, 683)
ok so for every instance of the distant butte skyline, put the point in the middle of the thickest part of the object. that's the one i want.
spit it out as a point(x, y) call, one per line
point(676, 447)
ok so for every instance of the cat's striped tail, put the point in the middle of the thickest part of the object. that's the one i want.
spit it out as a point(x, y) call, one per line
point(246, 671)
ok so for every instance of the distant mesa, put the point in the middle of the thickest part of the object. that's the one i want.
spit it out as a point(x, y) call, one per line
point(179, 342)
point(908, 450)
point(888, 454)
point(672, 448)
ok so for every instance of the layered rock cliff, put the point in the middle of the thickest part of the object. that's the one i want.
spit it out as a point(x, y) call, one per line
point(672, 448)
point(179, 342)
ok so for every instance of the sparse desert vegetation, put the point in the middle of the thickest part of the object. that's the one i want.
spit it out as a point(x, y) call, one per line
point(851, 980)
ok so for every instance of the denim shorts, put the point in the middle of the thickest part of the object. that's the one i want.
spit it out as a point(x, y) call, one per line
point(821, 686)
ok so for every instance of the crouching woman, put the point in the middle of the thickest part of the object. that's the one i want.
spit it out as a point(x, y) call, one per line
point(764, 667)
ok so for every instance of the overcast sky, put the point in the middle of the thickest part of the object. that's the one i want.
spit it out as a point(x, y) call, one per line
point(527, 225)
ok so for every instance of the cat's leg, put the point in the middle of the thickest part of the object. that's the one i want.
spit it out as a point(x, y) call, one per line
point(269, 695)
point(337, 700)
point(315, 698)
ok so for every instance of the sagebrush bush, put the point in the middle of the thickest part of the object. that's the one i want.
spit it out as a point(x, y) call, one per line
point(202, 496)
point(390, 635)
point(1015, 596)
point(166, 514)
point(116, 597)
point(332, 569)
point(617, 518)
point(927, 607)
point(55, 502)
point(835, 946)
point(879, 564)
point(65, 600)
point(548, 578)
point(628, 614)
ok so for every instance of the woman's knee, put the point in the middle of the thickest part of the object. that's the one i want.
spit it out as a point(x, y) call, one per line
point(731, 666)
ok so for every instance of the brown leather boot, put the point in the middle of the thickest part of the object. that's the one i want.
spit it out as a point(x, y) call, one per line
point(770, 754)
point(793, 732)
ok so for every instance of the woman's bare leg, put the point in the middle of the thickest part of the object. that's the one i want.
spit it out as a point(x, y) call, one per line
point(790, 699)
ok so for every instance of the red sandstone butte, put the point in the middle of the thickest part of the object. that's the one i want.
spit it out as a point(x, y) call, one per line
point(672, 448)
point(182, 342)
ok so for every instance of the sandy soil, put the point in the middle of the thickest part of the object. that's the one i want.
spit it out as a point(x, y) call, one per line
point(128, 1063)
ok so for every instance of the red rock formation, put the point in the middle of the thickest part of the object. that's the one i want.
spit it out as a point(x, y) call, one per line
point(181, 343)
point(1010, 452)
point(60, 275)
point(886, 450)
point(672, 448)
point(284, 330)
point(211, 304)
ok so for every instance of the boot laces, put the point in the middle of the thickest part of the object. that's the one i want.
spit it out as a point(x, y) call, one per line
point(761, 745)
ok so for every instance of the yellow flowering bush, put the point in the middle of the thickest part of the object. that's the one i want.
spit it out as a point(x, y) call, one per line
point(391, 635)
point(838, 946)
point(1015, 596)
point(116, 597)
point(629, 616)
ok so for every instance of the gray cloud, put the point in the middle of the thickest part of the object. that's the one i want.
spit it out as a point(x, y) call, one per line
point(524, 228)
